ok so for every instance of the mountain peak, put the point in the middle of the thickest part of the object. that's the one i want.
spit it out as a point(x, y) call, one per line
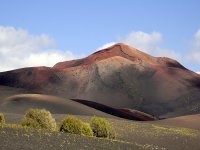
point(119, 49)
point(124, 51)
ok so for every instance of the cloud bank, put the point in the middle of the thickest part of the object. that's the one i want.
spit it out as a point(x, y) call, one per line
point(19, 48)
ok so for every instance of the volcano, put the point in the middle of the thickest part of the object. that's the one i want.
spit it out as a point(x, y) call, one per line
point(120, 77)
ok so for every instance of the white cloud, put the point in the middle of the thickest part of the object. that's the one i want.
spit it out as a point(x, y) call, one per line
point(106, 45)
point(143, 41)
point(198, 72)
point(194, 54)
point(18, 48)
point(49, 58)
point(149, 43)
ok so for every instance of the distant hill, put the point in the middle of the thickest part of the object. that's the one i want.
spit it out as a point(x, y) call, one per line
point(119, 76)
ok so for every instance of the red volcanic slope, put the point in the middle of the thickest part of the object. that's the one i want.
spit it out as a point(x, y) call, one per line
point(119, 76)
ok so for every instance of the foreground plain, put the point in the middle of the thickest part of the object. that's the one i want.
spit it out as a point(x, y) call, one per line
point(129, 135)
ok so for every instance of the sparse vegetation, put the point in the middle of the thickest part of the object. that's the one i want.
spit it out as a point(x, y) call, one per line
point(175, 130)
point(2, 119)
point(39, 119)
point(101, 127)
point(71, 124)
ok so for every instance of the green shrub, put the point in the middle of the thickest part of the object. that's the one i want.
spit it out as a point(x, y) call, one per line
point(101, 127)
point(71, 124)
point(87, 130)
point(39, 119)
point(29, 122)
point(2, 119)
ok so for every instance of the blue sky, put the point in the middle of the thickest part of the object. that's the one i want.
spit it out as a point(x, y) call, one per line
point(63, 29)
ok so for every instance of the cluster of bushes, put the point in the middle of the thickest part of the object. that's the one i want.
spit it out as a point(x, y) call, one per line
point(42, 119)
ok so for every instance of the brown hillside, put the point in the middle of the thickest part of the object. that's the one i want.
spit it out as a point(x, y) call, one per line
point(120, 77)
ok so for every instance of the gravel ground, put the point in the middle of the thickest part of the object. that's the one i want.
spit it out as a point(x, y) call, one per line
point(129, 135)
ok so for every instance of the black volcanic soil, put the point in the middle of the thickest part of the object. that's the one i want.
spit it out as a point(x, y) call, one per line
point(129, 135)
point(12, 139)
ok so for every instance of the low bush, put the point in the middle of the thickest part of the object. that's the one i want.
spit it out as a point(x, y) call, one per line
point(39, 119)
point(87, 130)
point(71, 124)
point(101, 127)
point(2, 119)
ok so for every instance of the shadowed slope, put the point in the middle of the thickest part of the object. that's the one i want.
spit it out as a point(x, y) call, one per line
point(122, 113)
